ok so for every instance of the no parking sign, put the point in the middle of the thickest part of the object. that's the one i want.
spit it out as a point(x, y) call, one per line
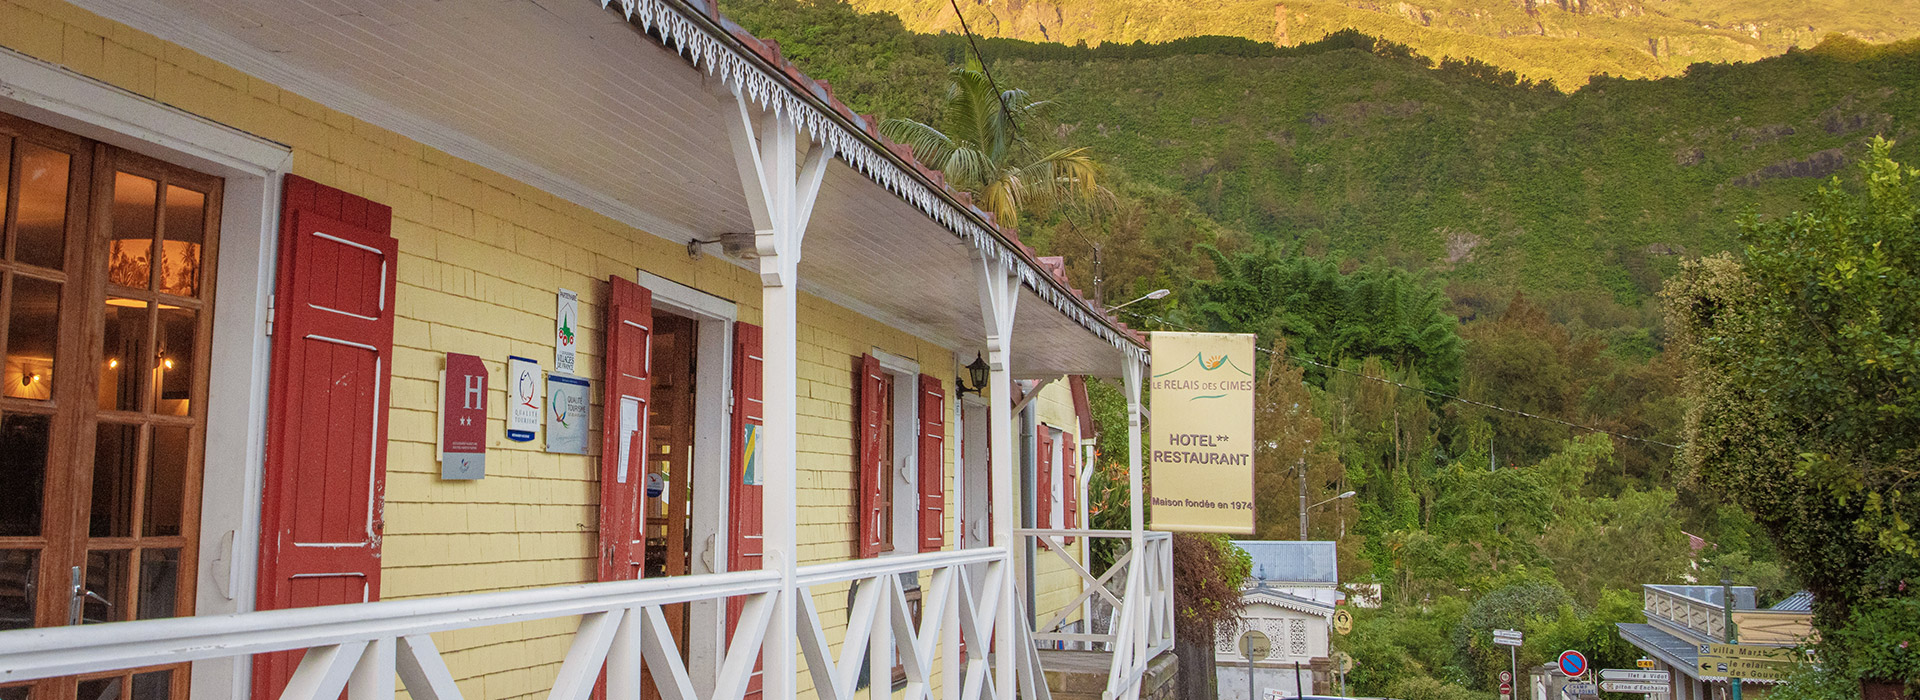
point(1573, 663)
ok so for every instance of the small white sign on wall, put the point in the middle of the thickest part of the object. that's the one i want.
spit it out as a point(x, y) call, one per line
point(523, 398)
point(566, 332)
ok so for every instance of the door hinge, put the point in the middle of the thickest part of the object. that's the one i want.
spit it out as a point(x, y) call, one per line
point(270, 300)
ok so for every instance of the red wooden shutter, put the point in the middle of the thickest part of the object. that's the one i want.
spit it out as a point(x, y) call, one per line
point(326, 460)
point(746, 523)
point(871, 404)
point(933, 464)
point(623, 429)
point(1043, 480)
point(1070, 466)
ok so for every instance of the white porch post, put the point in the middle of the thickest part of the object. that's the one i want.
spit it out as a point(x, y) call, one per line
point(1136, 579)
point(780, 190)
point(999, 295)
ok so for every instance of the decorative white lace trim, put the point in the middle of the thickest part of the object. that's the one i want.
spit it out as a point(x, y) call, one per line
point(771, 93)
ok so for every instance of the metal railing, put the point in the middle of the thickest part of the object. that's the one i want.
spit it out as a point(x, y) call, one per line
point(362, 648)
point(1137, 588)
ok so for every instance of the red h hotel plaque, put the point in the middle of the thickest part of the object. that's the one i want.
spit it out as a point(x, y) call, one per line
point(463, 418)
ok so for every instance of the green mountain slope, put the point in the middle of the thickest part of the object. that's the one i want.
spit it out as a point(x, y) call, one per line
point(1358, 149)
point(1562, 40)
point(1345, 150)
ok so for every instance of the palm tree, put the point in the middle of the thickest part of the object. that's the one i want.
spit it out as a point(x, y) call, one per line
point(978, 144)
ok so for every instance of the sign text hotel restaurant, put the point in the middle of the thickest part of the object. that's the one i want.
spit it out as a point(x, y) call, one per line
point(1202, 432)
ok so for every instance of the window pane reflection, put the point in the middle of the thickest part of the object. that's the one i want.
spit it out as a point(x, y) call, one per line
point(152, 685)
point(116, 454)
point(106, 591)
point(18, 569)
point(23, 468)
point(185, 231)
point(129, 257)
point(125, 362)
point(100, 689)
point(32, 333)
point(166, 481)
point(159, 582)
point(40, 223)
point(174, 371)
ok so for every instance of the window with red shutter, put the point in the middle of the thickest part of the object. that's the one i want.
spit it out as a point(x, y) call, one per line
point(1043, 494)
point(746, 489)
point(874, 413)
point(623, 430)
point(327, 413)
point(1070, 467)
point(933, 464)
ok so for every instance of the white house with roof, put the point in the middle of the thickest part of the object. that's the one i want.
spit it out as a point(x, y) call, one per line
point(1290, 596)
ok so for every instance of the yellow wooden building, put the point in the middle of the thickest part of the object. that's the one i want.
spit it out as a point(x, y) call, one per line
point(289, 291)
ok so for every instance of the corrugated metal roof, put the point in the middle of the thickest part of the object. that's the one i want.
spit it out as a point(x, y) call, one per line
point(1679, 653)
point(1291, 561)
point(1798, 602)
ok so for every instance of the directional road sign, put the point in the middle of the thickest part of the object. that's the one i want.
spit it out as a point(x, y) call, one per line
point(1579, 688)
point(1631, 687)
point(1748, 651)
point(1573, 663)
point(1751, 669)
point(1507, 638)
point(1635, 675)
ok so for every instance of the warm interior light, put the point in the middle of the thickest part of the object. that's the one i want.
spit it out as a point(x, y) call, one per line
point(28, 379)
point(167, 362)
point(113, 363)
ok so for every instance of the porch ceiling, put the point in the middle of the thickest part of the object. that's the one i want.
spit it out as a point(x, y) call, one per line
point(575, 99)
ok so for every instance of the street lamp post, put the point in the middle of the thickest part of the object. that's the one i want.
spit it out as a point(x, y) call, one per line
point(1303, 500)
point(1155, 294)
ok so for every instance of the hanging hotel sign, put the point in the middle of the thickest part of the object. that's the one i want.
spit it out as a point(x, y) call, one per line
point(1202, 432)
point(463, 418)
point(566, 332)
point(566, 415)
point(523, 398)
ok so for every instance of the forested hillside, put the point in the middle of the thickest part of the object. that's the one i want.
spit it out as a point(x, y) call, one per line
point(1561, 40)
point(1454, 271)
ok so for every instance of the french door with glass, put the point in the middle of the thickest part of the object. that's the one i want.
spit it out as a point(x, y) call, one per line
point(106, 282)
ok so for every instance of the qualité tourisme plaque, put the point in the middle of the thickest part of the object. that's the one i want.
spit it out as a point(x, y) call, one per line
point(1202, 432)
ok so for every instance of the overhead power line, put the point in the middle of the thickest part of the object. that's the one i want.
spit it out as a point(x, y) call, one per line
point(1424, 390)
point(982, 58)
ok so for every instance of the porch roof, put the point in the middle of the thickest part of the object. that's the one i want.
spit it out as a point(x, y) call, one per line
point(619, 110)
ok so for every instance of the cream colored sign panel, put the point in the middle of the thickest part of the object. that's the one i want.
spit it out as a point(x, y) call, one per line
point(1202, 432)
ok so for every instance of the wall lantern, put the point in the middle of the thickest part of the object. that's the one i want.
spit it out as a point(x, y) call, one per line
point(977, 371)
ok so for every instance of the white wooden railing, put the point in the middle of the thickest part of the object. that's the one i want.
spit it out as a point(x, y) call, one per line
point(1137, 587)
point(362, 648)
point(1676, 607)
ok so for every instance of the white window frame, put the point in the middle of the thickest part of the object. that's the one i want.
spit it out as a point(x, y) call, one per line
point(253, 169)
point(906, 451)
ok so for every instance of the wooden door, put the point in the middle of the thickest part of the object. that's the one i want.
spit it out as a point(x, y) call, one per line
point(106, 282)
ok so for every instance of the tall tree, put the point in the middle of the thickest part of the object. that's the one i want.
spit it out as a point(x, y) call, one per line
point(981, 142)
point(1805, 369)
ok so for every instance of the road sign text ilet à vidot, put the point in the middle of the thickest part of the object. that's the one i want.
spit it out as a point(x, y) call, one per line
point(1635, 675)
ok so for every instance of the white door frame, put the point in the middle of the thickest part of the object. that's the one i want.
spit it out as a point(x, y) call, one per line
point(974, 503)
point(712, 457)
point(253, 169)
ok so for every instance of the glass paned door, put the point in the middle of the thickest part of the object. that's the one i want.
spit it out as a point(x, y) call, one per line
point(104, 319)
